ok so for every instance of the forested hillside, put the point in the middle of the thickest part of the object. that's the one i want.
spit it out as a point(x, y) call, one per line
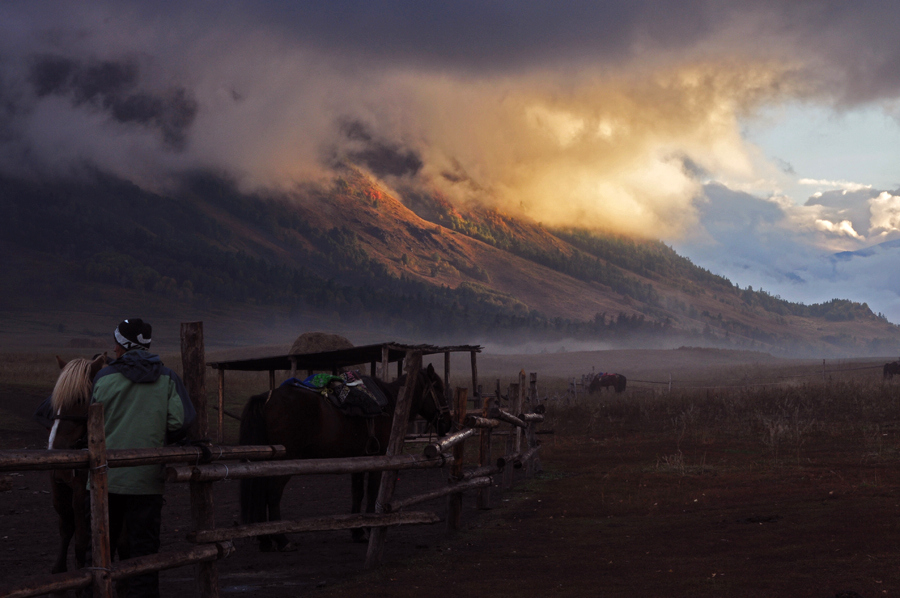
point(422, 268)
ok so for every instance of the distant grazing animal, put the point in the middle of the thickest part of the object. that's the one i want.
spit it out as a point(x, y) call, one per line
point(70, 399)
point(891, 369)
point(601, 381)
point(311, 427)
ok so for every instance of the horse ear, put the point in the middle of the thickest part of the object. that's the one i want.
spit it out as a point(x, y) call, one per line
point(430, 369)
point(60, 362)
point(97, 364)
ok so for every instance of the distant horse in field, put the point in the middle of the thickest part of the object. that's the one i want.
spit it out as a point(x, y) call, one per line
point(891, 369)
point(601, 381)
point(311, 427)
point(69, 402)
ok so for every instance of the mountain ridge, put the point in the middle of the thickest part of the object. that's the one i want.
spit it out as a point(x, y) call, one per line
point(419, 265)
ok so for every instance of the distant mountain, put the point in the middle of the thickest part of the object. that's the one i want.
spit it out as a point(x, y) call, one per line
point(356, 254)
point(887, 246)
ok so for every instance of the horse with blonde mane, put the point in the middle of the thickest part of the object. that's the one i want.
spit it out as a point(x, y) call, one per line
point(69, 401)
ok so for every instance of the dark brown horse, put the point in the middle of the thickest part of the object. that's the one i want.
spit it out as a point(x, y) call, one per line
point(69, 401)
point(311, 427)
point(891, 369)
point(601, 381)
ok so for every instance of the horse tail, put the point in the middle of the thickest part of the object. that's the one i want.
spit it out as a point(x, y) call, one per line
point(253, 431)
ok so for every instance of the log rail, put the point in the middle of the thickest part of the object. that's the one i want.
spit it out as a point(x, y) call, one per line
point(202, 466)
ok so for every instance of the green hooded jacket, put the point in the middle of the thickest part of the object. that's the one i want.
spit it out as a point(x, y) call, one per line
point(145, 405)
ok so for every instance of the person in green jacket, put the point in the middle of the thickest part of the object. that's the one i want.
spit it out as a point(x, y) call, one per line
point(145, 404)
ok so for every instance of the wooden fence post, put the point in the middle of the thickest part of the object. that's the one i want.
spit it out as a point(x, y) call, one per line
point(220, 422)
point(101, 558)
point(511, 438)
point(377, 536)
point(454, 501)
point(483, 498)
point(202, 513)
point(476, 393)
point(534, 464)
point(520, 400)
point(446, 371)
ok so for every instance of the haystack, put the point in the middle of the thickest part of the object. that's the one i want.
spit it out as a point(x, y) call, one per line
point(316, 342)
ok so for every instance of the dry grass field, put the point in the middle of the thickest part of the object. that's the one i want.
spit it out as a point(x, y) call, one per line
point(753, 476)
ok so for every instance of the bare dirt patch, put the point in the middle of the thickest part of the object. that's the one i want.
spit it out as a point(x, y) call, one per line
point(790, 492)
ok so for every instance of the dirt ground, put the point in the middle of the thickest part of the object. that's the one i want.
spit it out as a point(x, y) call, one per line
point(617, 512)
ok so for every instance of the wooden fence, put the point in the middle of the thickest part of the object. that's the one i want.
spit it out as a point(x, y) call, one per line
point(202, 467)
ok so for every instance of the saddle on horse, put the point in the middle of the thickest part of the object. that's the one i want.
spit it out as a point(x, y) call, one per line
point(353, 394)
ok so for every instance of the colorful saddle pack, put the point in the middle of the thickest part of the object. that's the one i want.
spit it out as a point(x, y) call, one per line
point(354, 394)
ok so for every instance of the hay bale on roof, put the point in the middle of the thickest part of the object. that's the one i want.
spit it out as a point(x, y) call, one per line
point(316, 342)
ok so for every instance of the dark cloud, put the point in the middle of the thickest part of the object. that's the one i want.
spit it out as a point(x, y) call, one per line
point(381, 157)
point(113, 86)
point(785, 166)
point(51, 74)
point(851, 49)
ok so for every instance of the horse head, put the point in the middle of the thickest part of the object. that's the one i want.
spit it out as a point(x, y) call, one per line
point(434, 407)
point(70, 399)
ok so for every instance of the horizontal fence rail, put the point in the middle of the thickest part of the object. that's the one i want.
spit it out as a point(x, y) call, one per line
point(220, 471)
point(201, 466)
point(36, 459)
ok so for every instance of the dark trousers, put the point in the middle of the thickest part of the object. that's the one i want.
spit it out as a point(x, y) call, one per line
point(141, 516)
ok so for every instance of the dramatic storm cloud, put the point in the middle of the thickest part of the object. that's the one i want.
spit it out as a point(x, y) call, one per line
point(643, 117)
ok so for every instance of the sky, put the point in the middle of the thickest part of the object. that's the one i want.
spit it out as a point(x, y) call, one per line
point(758, 138)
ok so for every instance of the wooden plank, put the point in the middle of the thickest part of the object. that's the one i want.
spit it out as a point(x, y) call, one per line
point(482, 471)
point(202, 512)
point(220, 399)
point(234, 471)
point(375, 551)
point(507, 417)
point(454, 501)
point(193, 362)
point(41, 459)
point(473, 355)
point(511, 438)
point(446, 371)
point(60, 582)
point(520, 401)
point(76, 580)
point(534, 465)
point(312, 524)
point(483, 498)
point(475, 421)
point(170, 560)
point(100, 552)
point(434, 449)
point(458, 487)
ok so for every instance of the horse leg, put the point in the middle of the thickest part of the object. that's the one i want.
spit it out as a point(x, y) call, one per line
point(62, 502)
point(374, 486)
point(273, 502)
point(357, 489)
point(82, 520)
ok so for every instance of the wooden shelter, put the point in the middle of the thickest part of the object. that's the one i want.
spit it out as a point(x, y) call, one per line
point(332, 361)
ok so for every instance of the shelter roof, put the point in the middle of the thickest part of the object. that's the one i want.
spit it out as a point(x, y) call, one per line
point(326, 360)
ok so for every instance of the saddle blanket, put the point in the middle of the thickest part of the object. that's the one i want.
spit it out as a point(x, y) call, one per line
point(354, 394)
